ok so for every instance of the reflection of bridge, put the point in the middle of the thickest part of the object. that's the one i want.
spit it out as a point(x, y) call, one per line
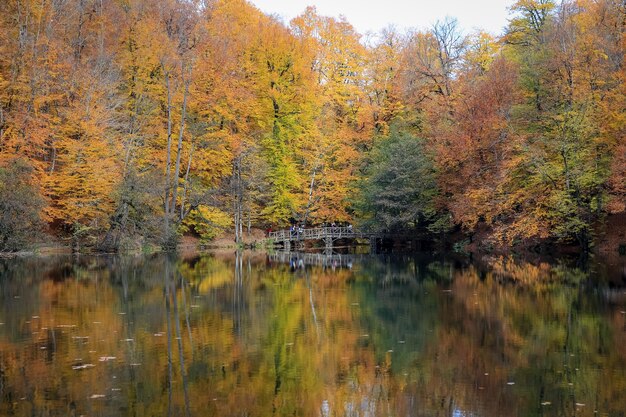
point(299, 259)
point(326, 234)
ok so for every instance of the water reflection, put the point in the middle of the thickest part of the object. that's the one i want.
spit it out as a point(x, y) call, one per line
point(252, 334)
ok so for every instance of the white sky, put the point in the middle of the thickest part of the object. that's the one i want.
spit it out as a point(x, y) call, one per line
point(373, 15)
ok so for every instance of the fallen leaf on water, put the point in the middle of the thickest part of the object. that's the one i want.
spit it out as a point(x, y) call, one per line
point(580, 405)
point(106, 358)
point(85, 366)
point(510, 383)
point(546, 403)
point(97, 396)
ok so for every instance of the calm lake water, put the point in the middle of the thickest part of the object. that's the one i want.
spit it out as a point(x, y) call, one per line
point(258, 335)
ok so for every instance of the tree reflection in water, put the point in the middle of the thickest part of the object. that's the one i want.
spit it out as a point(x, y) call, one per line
point(388, 336)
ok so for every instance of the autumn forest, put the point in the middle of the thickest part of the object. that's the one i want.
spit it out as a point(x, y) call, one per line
point(125, 123)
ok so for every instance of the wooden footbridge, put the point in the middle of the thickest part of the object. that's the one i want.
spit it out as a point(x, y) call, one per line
point(329, 235)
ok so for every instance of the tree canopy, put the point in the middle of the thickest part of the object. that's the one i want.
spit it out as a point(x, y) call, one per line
point(141, 120)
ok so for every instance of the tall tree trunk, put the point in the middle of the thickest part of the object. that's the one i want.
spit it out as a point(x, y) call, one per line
point(182, 202)
point(238, 191)
point(168, 164)
point(180, 143)
point(308, 204)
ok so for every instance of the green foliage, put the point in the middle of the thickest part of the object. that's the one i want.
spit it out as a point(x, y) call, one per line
point(207, 222)
point(399, 186)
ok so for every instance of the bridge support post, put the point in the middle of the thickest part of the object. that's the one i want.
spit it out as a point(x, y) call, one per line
point(287, 245)
point(328, 243)
point(373, 245)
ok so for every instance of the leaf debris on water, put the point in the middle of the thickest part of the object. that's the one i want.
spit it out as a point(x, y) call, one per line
point(84, 366)
point(106, 358)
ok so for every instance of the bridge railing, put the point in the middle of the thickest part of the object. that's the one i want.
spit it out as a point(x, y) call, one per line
point(317, 233)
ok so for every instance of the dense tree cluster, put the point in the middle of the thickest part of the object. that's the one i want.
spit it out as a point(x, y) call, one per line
point(139, 120)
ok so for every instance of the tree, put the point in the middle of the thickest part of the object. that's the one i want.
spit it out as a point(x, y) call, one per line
point(20, 206)
point(399, 188)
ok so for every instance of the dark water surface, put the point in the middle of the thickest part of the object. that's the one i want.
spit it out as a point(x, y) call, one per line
point(249, 335)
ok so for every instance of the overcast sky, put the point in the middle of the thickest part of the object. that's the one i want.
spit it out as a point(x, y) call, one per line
point(372, 15)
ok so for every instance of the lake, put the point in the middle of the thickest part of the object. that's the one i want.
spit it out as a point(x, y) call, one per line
point(310, 335)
